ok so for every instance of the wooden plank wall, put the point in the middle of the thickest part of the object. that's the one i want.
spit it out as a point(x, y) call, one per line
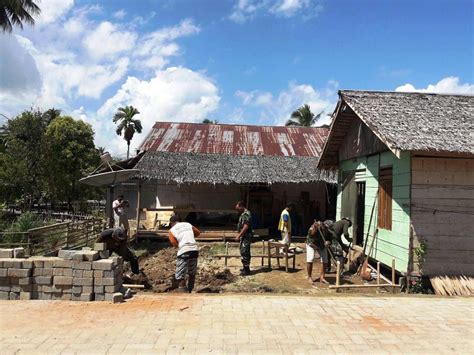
point(443, 213)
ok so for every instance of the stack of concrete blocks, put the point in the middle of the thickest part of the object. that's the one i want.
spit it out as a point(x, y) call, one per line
point(73, 275)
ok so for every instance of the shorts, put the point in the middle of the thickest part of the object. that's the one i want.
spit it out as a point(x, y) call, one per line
point(310, 254)
point(285, 238)
point(186, 265)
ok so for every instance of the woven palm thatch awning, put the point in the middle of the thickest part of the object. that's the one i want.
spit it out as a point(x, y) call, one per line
point(189, 168)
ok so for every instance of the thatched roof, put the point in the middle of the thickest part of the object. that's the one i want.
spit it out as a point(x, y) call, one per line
point(408, 121)
point(185, 168)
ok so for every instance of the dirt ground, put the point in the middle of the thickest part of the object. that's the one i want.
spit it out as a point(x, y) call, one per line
point(159, 260)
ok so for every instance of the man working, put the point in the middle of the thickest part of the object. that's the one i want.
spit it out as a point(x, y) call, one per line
point(338, 229)
point(120, 213)
point(182, 236)
point(284, 226)
point(115, 240)
point(244, 227)
point(318, 239)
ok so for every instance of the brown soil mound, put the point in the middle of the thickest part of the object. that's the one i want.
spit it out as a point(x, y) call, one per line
point(158, 272)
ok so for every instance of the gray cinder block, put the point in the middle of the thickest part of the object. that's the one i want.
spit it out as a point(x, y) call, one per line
point(82, 265)
point(113, 288)
point(90, 255)
point(67, 272)
point(19, 252)
point(77, 273)
point(6, 253)
point(84, 281)
point(63, 280)
point(88, 273)
point(3, 272)
point(63, 263)
point(26, 264)
point(11, 263)
point(19, 272)
point(87, 289)
point(105, 264)
point(15, 295)
point(100, 246)
point(114, 297)
point(25, 296)
point(48, 272)
point(99, 297)
point(25, 281)
point(104, 254)
point(99, 289)
point(4, 295)
point(67, 254)
point(43, 280)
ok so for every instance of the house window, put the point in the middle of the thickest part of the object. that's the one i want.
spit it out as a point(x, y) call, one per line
point(385, 199)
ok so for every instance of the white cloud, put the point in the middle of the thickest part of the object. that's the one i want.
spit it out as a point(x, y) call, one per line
point(245, 10)
point(448, 85)
point(154, 48)
point(278, 108)
point(51, 10)
point(106, 41)
point(120, 14)
point(175, 94)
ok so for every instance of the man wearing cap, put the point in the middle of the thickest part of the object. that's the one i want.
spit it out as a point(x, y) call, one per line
point(115, 240)
point(182, 236)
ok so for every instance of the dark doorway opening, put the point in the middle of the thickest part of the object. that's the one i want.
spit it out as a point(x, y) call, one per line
point(360, 213)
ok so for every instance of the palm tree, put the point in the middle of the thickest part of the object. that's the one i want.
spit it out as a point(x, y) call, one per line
point(303, 117)
point(127, 124)
point(16, 12)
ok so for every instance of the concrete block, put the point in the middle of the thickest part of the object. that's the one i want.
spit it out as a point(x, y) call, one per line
point(46, 288)
point(63, 280)
point(66, 297)
point(11, 263)
point(98, 273)
point(15, 288)
point(77, 273)
point(37, 272)
point(100, 246)
point(19, 252)
point(5, 288)
point(15, 295)
point(4, 295)
point(67, 272)
point(67, 254)
point(6, 253)
point(48, 272)
point(87, 289)
point(26, 264)
point(38, 263)
point(43, 280)
point(88, 273)
point(82, 265)
point(111, 273)
point(87, 297)
point(56, 296)
point(45, 296)
point(19, 272)
point(26, 288)
point(86, 249)
point(104, 254)
point(66, 289)
point(25, 281)
point(84, 281)
point(76, 289)
point(99, 296)
point(112, 289)
point(3, 272)
point(49, 262)
point(58, 271)
point(105, 264)
point(99, 289)
point(63, 263)
point(116, 297)
point(78, 257)
point(25, 296)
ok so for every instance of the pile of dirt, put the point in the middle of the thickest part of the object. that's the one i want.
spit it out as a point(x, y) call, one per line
point(158, 272)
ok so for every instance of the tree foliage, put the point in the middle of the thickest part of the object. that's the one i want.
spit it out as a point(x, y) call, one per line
point(303, 117)
point(42, 158)
point(208, 121)
point(127, 125)
point(17, 12)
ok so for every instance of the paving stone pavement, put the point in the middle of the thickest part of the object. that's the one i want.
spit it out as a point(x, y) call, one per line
point(240, 324)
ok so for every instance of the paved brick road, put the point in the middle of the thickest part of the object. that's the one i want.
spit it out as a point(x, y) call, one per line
point(244, 324)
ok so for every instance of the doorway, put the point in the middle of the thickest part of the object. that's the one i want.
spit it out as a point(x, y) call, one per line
point(360, 213)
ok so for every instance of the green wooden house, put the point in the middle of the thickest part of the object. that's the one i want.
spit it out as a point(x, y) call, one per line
point(406, 169)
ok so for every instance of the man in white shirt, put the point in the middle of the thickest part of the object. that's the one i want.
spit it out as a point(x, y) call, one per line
point(182, 236)
point(120, 213)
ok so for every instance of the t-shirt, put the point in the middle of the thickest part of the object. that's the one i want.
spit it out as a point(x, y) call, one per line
point(285, 217)
point(182, 236)
point(120, 211)
point(318, 238)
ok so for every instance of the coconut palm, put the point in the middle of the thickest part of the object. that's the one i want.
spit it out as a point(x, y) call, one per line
point(127, 124)
point(17, 12)
point(303, 117)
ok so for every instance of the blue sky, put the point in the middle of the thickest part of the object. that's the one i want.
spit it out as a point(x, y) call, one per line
point(237, 61)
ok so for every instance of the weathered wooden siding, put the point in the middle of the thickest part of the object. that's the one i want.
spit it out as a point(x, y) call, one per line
point(443, 214)
point(359, 141)
point(389, 243)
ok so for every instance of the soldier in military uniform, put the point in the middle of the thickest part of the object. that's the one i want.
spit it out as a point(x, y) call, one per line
point(245, 230)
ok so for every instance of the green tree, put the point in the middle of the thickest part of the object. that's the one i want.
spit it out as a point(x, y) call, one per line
point(21, 168)
point(303, 117)
point(17, 12)
point(127, 124)
point(70, 153)
point(208, 121)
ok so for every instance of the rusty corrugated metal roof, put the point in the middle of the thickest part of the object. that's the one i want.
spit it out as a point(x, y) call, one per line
point(235, 139)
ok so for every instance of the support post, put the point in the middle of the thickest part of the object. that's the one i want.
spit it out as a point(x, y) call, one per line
point(378, 274)
point(393, 275)
point(226, 253)
point(338, 273)
point(139, 192)
point(108, 207)
point(263, 251)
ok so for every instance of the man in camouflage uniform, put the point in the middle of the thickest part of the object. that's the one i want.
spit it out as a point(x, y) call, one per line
point(244, 228)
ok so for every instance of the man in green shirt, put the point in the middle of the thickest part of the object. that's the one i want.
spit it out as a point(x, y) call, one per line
point(318, 239)
point(245, 230)
point(340, 228)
